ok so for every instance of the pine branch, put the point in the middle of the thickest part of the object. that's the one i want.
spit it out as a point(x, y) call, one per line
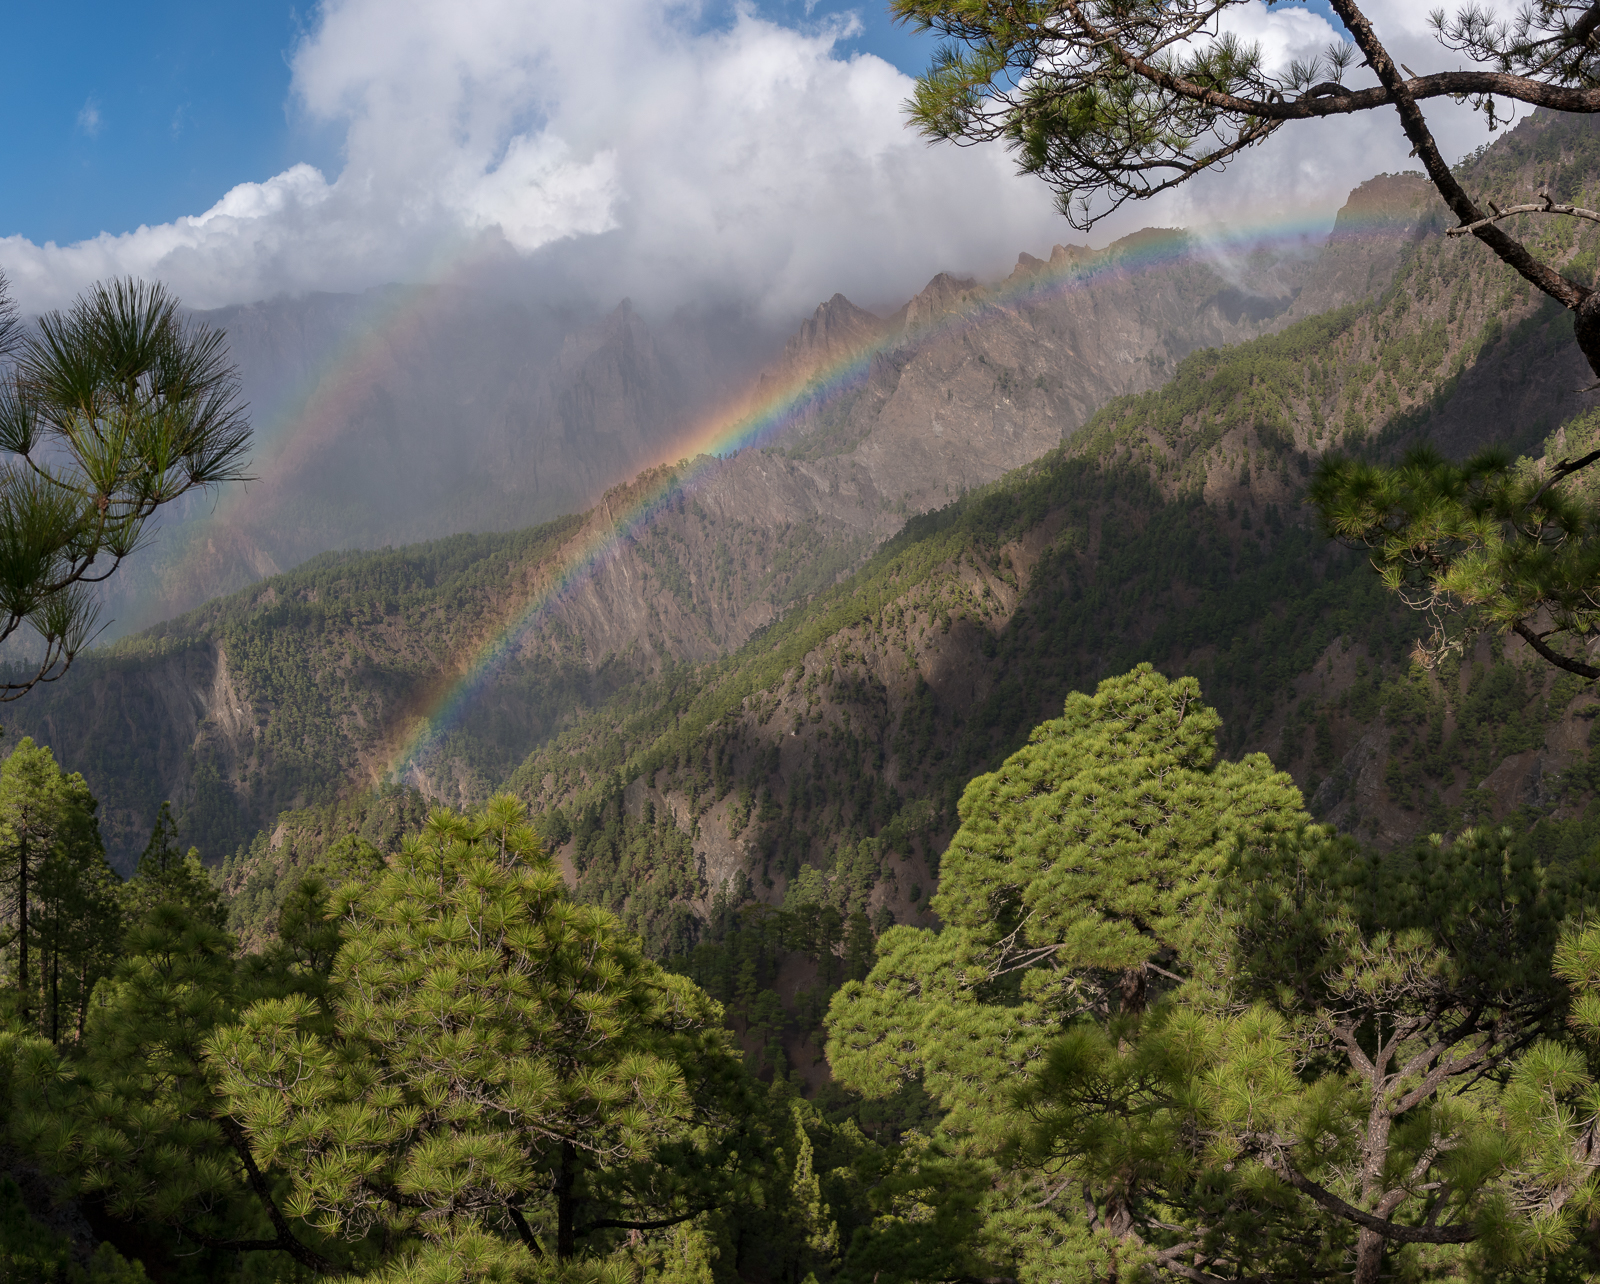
point(612, 1223)
point(1548, 206)
point(524, 1231)
point(1564, 469)
point(1537, 642)
point(1398, 1234)
point(286, 1241)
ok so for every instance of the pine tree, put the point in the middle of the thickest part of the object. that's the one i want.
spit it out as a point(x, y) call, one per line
point(497, 1075)
point(167, 875)
point(108, 412)
point(77, 932)
point(135, 1119)
point(1375, 1080)
point(56, 882)
point(805, 1194)
point(1081, 876)
point(1080, 882)
point(1239, 1044)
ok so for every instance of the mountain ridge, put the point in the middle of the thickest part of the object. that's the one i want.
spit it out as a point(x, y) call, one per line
point(297, 689)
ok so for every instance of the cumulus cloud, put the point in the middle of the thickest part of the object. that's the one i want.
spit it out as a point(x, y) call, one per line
point(89, 118)
point(624, 148)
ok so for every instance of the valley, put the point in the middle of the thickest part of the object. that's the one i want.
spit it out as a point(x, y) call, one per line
point(959, 387)
point(769, 717)
point(293, 692)
point(768, 694)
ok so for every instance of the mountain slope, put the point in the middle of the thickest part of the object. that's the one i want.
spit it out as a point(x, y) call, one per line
point(300, 689)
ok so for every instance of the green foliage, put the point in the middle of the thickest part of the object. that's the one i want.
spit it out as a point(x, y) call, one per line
point(167, 876)
point(1080, 875)
point(1101, 838)
point(335, 841)
point(1492, 544)
point(642, 870)
point(130, 1115)
point(132, 1119)
point(1081, 881)
point(582, 1094)
point(31, 1253)
point(1381, 1040)
point(1236, 1036)
point(113, 410)
point(63, 898)
point(497, 1074)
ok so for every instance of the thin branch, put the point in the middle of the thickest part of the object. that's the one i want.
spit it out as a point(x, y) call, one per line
point(1330, 99)
point(524, 1231)
point(1510, 251)
point(1205, 1277)
point(286, 1241)
point(614, 1223)
point(1537, 642)
point(1548, 207)
point(1564, 469)
point(1387, 1229)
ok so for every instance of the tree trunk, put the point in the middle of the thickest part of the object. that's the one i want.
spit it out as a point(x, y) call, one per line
point(1369, 1244)
point(22, 928)
point(83, 997)
point(55, 985)
point(566, 1240)
point(1132, 986)
point(1369, 1257)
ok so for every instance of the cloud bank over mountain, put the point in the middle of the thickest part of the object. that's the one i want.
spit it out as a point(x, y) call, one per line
point(630, 149)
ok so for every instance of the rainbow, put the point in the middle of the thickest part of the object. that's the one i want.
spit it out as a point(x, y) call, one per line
point(779, 404)
point(308, 418)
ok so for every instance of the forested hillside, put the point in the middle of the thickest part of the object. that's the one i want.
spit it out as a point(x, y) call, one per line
point(1169, 528)
point(816, 770)
point(286, 695)
point(296, 691)
point(829, 860)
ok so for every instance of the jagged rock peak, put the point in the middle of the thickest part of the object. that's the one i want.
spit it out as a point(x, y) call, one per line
point(944, 294)
point(836, 329)
point(1064, 254)
point(1147, 239)
point(624, 320)
point(1027, 265)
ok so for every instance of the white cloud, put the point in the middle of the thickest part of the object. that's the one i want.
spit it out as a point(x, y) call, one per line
point(89, 118)
point(1300, 175)
point(623, 149)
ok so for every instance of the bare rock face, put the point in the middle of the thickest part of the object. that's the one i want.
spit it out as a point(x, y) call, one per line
point(966, 382)
point(835, 331)
point(469, 414)
point(408, 414)
point(962, 384)
point(959, 386)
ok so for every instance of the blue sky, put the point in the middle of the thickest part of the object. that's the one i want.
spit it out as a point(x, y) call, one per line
point(123, 115)
point(666, 151)
point(126, 114)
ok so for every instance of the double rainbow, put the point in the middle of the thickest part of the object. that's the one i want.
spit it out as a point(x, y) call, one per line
point(779, 404)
